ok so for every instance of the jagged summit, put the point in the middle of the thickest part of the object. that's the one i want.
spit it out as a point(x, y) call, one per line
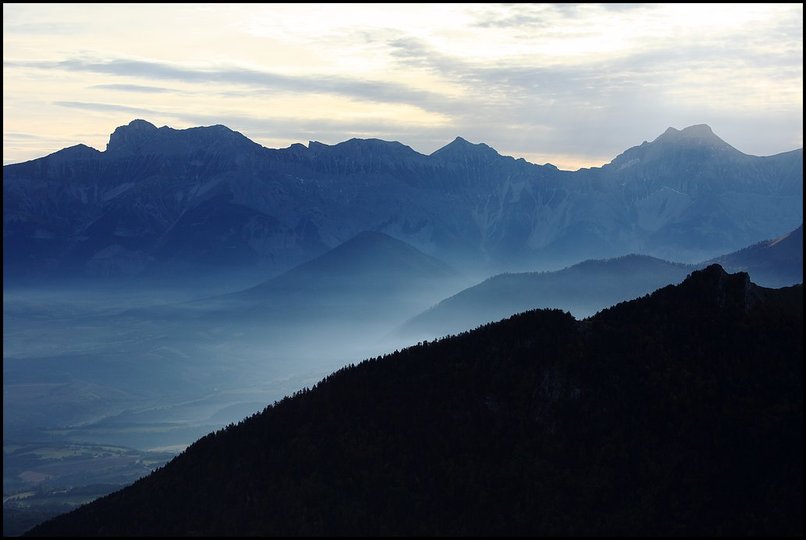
point(140, 124)
point(78, 151)
point(461, 141)
point(698, 134)
point(140, 137)
point(697, 130)
point(714, 276)
point(713, 288)
point(372, 143)
point(134, 133)
point(365, 147)
point(461, 148)
point(693, 143)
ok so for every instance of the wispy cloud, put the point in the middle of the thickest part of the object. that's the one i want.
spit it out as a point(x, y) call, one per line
point(105, 107)
point(134, 88)
point(544, 16)
point(21, 136)
point(354, 88)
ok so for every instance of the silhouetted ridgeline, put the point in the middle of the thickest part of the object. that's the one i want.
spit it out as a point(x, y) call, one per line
point(680, 413)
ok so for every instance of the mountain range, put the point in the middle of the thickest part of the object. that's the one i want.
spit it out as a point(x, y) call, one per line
point(118, 332)
point(679, 413)
point(160, 201)
point(589, 286)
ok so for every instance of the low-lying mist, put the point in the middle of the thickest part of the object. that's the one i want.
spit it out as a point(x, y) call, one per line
point(113, 368)
point(102, 384)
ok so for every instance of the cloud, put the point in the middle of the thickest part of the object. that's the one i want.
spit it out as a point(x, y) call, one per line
point(105, 107)
point(359, 89)
point(134, 88)
point(533, 17)
point(547, 17)
point(15, 136)
point(46, 29)
point(633, 96)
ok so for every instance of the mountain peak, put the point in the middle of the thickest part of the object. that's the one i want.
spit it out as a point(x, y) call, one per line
point(374, 145)
point(140, 137)
point(140, 124)
point(131, 135)
point(78, 151)
point(368, 248)
point(714, 286)
point(460, 148)
point(698, 130)
point(696, 142)
point(696, 134)
point(360, 149)
point(714, 276)
point(368, 260)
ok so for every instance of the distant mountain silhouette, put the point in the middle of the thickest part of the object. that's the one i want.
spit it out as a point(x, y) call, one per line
point(370, 259)
point(583, 289)
point(680, 413)
point(462, 151)
point(773, 263)
point(370, 277)
point(359, 279)
point(587, 287)
point(180, 203)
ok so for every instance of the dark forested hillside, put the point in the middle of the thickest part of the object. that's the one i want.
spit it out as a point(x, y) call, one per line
point(680, 413)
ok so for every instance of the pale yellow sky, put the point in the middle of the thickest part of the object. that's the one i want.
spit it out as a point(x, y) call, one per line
point(570, 84)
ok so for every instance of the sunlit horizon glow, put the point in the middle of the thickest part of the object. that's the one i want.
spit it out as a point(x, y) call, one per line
point(569, 84)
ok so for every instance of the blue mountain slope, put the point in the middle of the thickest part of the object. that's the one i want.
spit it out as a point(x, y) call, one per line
point(590, 286)
point(582, 289)
point(772, 263)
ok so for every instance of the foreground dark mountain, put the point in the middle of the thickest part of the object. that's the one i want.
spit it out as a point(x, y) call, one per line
point(585, 288)
point(679, 413)
point(208, 200)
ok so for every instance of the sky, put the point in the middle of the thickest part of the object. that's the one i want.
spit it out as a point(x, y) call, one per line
point(569, 84)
